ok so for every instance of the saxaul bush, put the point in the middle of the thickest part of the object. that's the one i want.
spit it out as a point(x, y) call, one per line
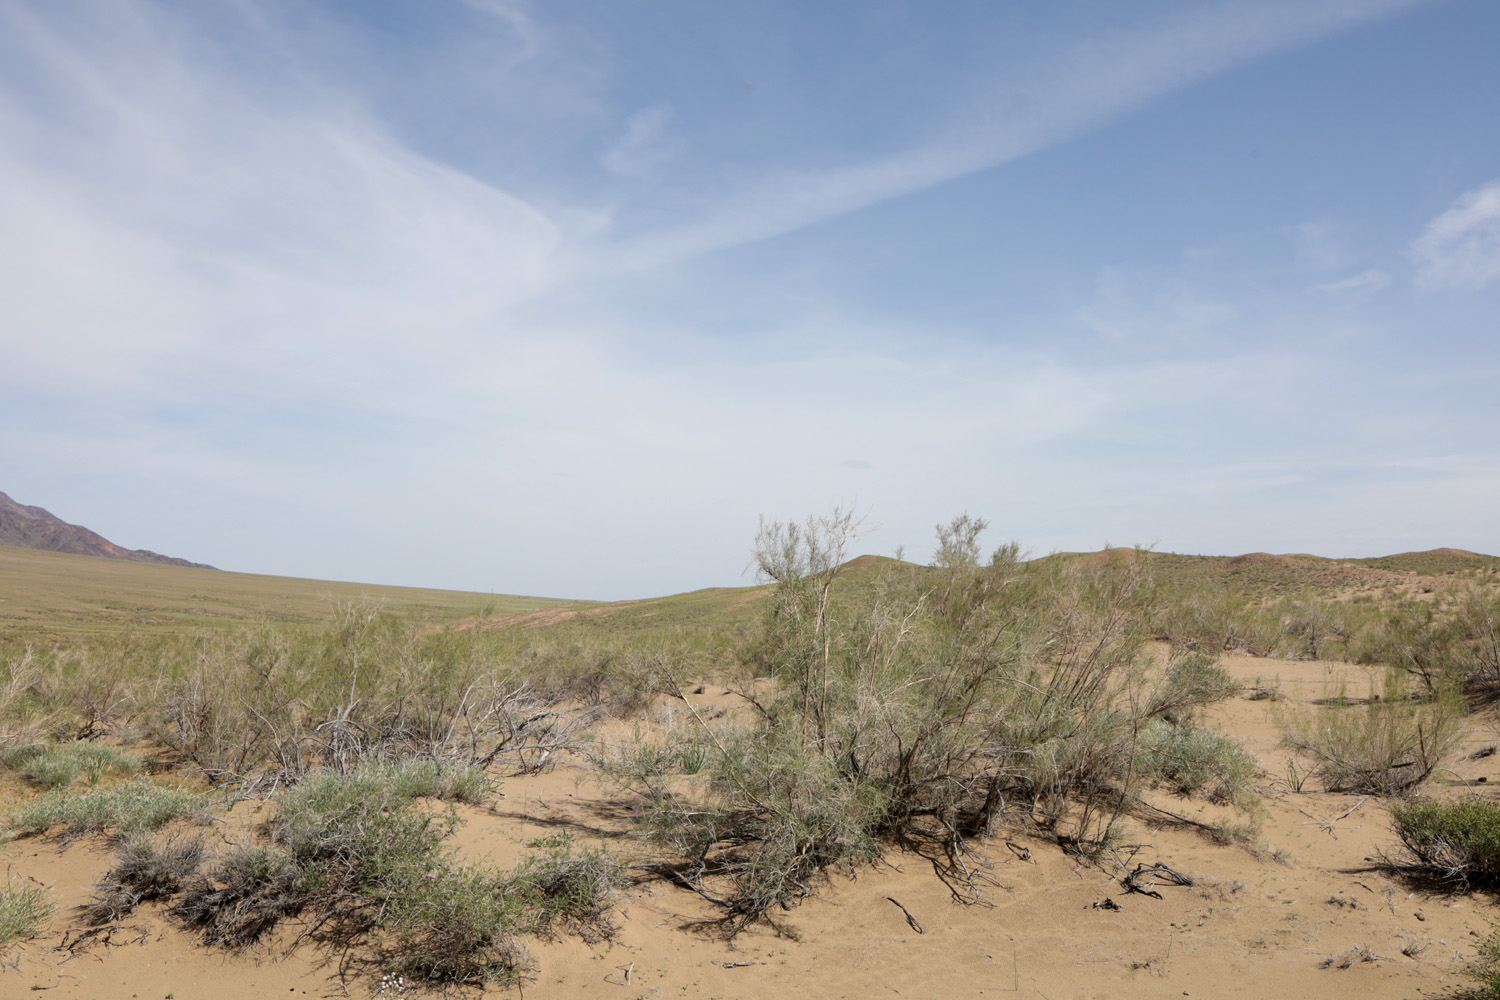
point(1387, 746)
point(923, 709)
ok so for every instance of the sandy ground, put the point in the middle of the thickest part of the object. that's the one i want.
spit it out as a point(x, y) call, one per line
point(1247, 927)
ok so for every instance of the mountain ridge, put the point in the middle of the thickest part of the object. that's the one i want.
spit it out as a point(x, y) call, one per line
point(32, 527)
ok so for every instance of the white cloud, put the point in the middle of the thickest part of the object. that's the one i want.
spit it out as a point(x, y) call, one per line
point(1366, 281)
point(1461, 247)
point(257, 293)
point(173, 240)
point(644, 147)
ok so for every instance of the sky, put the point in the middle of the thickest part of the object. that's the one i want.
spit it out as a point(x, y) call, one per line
point(562, 298)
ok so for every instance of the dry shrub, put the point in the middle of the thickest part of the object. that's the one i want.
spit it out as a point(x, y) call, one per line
point(147, 868)
point(243, 896)
point(924, 711)
point(1386, 747)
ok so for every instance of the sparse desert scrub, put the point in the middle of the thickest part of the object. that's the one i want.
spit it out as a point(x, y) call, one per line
point(1313, 627)
point(269, 703)
point(1453, 638)
point(1388, 746)
point(1414, 636)
point(367, 872)
point(925, 713)
point(1485, 969)
point(1216, 620)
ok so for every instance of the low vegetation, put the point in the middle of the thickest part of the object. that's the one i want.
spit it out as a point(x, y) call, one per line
point(883, 704)
point(122, 809)
point(25, 908)
point(1485, 969)
point(1386, 747)
point(944, 704)
point(57, 765)
point(1453, 844)
point(364, 868)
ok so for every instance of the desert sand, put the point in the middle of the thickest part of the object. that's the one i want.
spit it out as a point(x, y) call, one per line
point(1316, 922)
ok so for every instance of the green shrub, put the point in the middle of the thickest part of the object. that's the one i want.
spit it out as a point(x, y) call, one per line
point(137, 805)
point(562, 886)
point(1454, 843)
point(24, 909)
point(1190, 681)
point(1485, 969)
point(923, 708)
point(457, 926)
point(1217, 620)
point(353, 852)
point(356, 833)
point(1198, 762)
point(1312, 628)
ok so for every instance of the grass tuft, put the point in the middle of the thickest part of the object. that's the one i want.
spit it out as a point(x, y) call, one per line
point(57, 765)
point(24, 909)
point(133, 806)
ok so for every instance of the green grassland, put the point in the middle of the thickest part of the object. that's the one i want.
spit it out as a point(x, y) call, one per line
point(53, 594)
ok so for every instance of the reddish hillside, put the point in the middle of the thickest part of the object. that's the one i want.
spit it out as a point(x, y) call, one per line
point(38, 528)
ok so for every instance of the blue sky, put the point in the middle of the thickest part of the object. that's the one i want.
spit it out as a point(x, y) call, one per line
point(559, 298)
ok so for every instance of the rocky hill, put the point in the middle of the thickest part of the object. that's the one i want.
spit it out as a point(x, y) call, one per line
point(38, 528)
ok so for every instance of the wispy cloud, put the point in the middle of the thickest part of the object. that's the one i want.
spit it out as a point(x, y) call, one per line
point(223, 231)
point(233, 281)
point(1461, 247)
point(518, 17)
point(1081, 87)
point(1152, 310)
point(1371, 280)
point(645, 146)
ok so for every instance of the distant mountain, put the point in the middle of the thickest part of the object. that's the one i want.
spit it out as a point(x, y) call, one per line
point(37, 528)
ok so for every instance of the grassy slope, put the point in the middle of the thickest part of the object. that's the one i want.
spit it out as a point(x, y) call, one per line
point(49, 593)
point(52, 593)
point(1262, 574)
